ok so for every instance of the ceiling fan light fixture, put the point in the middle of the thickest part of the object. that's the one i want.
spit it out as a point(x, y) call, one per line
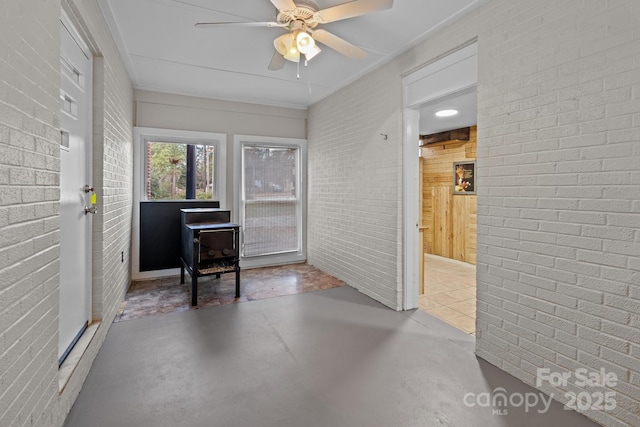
point(286, 46)
point(305, 42)
point(300, 18)
point(283, 43)
point(293, 54)
point(311, 53)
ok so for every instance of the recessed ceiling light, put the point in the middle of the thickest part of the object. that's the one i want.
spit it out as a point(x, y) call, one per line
point(446, 113)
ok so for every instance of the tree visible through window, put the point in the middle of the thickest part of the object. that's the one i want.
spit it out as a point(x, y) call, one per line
point(167, 168)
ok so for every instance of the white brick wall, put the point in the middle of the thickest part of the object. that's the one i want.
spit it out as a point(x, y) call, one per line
point(354, 178)
point(568, 80)
point(29, 193)
point(558, 210)
point(29, 124)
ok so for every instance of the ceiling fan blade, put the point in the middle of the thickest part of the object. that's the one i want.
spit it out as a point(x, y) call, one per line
point(237, 24)
point(338, 44)
point(284, 5)
point(277, 62)
point(351, 9)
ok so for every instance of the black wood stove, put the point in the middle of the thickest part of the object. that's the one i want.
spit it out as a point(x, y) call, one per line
point(210, 245)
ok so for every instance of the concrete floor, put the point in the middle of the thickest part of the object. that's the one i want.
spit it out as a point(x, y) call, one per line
point(331, 358)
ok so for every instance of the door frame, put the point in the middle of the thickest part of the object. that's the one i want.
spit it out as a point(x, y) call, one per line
point(411, 202)
point(452, 73)
point(71, 27)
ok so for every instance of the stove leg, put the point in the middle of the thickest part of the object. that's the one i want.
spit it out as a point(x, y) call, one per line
point(181, 273)
point(194, 290)
point(238, 283)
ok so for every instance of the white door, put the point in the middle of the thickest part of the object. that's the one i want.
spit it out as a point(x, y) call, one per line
point(75, 173)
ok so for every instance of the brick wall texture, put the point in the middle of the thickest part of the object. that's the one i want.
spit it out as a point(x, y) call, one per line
point(559, 201)
point(29, 207)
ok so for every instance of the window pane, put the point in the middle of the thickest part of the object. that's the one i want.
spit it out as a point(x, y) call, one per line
point(269, 173)
point(270, 207)
point(270, 227)
point(167, 171)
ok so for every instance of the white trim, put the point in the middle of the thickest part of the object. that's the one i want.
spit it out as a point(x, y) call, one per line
point(441, 64)
point(453, 73)
point(238, 142)
point(142, 135)
point(411, 206)
point(112, 23)
point(75, 34)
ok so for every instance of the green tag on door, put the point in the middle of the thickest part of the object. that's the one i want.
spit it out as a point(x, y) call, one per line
point(94, 198)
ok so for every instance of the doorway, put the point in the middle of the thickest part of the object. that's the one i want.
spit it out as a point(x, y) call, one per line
point(77, 197)
point(435, 87)
point(448, 226)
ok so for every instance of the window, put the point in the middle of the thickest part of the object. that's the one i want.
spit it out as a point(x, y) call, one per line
point(178, 165)
point(180, 171)
point(175, 165)
point(270, 200)
point(271, 203)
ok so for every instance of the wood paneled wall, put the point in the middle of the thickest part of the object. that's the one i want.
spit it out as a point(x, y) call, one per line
point(448, 221)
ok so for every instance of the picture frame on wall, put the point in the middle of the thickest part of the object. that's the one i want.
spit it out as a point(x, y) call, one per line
point(464, 177)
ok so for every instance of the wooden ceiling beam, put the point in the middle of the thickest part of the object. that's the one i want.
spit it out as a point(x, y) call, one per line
point(462, 134)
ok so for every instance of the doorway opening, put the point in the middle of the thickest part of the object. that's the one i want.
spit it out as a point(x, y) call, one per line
point(440, 228)
point(448, 227)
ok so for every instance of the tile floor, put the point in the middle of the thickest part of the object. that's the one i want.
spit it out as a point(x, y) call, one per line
point(450, 291)
point(167, 295)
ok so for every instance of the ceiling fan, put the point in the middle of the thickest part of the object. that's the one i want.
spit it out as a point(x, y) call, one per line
point(301, 19)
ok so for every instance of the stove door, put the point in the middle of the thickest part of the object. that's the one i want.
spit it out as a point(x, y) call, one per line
point(218, 244)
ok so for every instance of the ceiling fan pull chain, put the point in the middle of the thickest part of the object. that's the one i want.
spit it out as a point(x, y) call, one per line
point(298, 75)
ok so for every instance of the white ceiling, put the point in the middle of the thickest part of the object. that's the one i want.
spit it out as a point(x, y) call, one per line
point(164, 52)
point(465, 102)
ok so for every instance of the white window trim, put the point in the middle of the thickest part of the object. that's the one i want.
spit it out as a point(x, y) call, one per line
point(251, 140)
point(142, 135)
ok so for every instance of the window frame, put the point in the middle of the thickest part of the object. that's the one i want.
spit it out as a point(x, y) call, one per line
point(241, 141)
point(142, 135)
